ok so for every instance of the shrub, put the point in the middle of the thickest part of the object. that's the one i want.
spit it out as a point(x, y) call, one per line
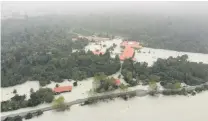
point(31, 90)
point(39, 112)
point(17, 118)
point(198, 89)
point(119, 76)
point(8, 119)
point(14, 91)
point(193, 93)
point(29, 116)
point(43, 83)
point(59, 104)
point(57, 85)
point(75, 83)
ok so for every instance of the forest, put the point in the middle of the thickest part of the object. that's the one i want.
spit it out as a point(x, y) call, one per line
point(181, 33)
point(170, 72)
point(43, 51)
point(174, 32)
point(40, 48)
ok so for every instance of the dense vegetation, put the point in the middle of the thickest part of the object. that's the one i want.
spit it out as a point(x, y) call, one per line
point(37, 49)
point(36, 98)
point(169, 72)
point(40, 48)
point(181, 33)
point(16, 118)
point(103, 83)
point(59, 104)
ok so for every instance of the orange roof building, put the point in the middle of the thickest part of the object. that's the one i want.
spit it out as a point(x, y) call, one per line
point(128, 53)
point(132, 44)
point(117, 82)
point(62, 89)
point(97, 52)
point(134, 59)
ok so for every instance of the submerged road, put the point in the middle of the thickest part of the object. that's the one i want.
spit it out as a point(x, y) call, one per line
point(80, 101)
point(107, 95)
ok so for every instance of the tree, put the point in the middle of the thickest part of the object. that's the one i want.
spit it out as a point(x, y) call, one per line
point(193, 93)
point(177, 85)
point(43, 83)
point(119, 76)
point(59, 104)
point(19, 101)
point(31, 90)
point(123, 87)
point(14, 91)
point(153, 86)
point(49, 98)
point(154, 78)
point(129, 76)
point(57, 85)
point(39, 112)
point(8, 119)
point(28, 116)
point(75, 83)
point(17, 118)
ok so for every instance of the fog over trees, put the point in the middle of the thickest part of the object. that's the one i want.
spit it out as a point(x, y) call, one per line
point(37, 41)
point(169, 25)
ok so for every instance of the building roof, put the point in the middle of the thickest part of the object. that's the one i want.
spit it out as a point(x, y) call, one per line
point(97, 52)
point(62, 89)
point(128, 53)
point(133, 44)
point(134, 59)
point(117, 82)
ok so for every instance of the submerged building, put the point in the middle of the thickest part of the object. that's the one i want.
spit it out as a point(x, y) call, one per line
point(132, 44)
point(128, 53)
point(129, 47)
point(97, 52)
point(62, 89)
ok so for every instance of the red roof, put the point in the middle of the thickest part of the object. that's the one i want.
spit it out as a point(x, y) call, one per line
point(62, 89)
point(128, 53)
point(133, 44)
point(97, 52)
point(117, 82)
point(124, 43)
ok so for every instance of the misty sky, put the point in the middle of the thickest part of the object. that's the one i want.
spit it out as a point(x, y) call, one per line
point(41, 8)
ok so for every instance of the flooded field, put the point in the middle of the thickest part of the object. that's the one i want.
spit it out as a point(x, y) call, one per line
point(81, 91)
point(171, 108)
point(138, 108)
point(151, 55)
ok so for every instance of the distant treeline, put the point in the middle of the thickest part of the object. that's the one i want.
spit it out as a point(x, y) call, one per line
point(180, 33)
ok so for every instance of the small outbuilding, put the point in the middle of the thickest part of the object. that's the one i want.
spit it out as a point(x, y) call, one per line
point(117, 82)
point(62, 89)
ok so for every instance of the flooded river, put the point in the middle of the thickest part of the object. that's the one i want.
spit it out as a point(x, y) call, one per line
point(172, 108)
point(178, 108)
